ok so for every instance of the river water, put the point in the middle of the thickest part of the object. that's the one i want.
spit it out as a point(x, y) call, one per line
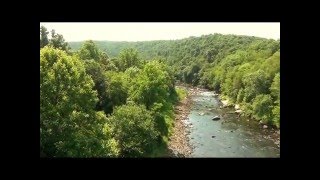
point(228, 137)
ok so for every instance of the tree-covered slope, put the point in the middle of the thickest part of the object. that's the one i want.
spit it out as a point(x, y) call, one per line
point(244, 69)
point(116, 99)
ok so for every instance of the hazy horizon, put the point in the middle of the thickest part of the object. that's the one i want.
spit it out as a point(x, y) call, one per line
point(133, 32)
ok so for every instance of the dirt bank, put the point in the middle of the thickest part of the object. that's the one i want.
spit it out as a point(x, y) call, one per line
point(179, 145)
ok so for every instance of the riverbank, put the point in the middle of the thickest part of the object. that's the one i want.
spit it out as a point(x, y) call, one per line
point(179, 145)
point(275, 132)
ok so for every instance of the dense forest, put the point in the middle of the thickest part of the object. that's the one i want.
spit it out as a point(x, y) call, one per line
point(116, 99)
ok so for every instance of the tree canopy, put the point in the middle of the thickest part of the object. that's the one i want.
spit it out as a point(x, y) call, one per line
point(116, 99)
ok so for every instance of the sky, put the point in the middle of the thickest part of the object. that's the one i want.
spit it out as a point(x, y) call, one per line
point(158, 31)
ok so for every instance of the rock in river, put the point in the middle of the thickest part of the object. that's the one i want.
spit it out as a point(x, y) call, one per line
point(216, 118)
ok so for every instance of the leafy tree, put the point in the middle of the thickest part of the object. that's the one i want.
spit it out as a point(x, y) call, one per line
point(134, 129)
point(117, 91)
point(255, 83)
point(275, 92)
point(113, 65)
point(43, 37)
point(262, 108)
point(132, 73)
point(275, 87)
point(191, 74)
point(152, 84)
point(57, 41)
point(69, 126)
point(128, 58)
point(89, 50)
point(94, 69)
point(276, 116)
point(104, 60)
point(272, 65)
point(206, 51)
point(240, 96)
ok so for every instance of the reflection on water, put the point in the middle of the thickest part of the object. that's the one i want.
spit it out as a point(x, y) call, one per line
point(230, 136)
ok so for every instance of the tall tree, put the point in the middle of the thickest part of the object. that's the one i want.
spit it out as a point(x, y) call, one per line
point(43, 36)
point(89, 50)
point(128, 58)
point(275, 87)
point(57, 41)
point(94, 69)
point(134, 129)
point(152, 85)
point(69, 126)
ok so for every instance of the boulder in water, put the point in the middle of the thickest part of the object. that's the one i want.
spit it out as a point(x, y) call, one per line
point(216, 118)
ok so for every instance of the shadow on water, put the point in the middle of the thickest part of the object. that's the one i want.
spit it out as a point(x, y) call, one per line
point(228, 137)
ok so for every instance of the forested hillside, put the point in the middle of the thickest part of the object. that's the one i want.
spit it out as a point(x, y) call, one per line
point(116, 99)
point(91, 106)
point(243, 68)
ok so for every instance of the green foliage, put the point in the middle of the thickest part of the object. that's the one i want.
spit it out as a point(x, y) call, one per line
point(132, 72)
point(117, 91)
point(134, 129)
point(43, 37)
point(69, 126)
point(255, 83)
point(94, 69)
point(276, 116)
point(262, 108)
point(275, 92)
point(275, 88)
point(240, 95)
point(57, 41)
point(138, 95)
point(182, 93)
point(154, 88)
point(152, 84)
point(128, 58)
point(190, 74)
point(189, 52)
point(113, 65)
point(89, 50)
point(247, 73)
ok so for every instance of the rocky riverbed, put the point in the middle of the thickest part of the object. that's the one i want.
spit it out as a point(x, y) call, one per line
point(179, 145)
point(196, 135)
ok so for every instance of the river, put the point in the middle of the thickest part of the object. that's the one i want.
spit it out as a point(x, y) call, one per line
point(228, 137)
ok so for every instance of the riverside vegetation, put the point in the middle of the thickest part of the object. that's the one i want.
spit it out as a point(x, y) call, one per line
point(117, 99)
